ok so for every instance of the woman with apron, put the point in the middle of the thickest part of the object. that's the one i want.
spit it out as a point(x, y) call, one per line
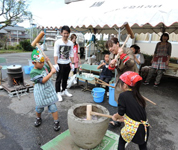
point(160, 60)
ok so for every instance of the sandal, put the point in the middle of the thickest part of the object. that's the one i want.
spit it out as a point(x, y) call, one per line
point(114, 124)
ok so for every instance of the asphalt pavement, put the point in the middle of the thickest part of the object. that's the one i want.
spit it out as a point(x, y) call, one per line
point(17, 117)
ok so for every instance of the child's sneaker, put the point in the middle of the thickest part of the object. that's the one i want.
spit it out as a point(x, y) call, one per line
point(66, 93)
point(145, 83)
point(59, 95)
point(155, 85)
point(56, 126)
point(38, 122)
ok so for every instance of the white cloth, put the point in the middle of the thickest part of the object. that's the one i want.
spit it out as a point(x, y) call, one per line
point(142, 59)
point(56, 66)
point(72, 67)
point(63, 51)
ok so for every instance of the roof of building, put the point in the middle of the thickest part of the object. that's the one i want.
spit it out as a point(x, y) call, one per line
point(3, 31)
point(21, 36)
point(16, 28)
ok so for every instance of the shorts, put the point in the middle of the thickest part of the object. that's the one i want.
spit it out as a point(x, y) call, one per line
point(51, 108)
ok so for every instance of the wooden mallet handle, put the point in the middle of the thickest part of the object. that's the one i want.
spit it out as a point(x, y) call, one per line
point(90, 112)
point(36, 43)
point(99, 114)
point(130, 35)
point(148, 100)
point(49, 63)
point(104, 83)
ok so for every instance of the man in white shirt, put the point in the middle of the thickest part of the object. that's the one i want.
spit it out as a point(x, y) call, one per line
point(63, 56)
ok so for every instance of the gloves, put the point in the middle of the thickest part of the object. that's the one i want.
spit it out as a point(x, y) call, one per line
point(56, 66)
point(72, 67)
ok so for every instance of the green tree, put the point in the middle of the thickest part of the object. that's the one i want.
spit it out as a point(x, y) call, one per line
point(13, 12)
point(26, 45)
point(3, 42)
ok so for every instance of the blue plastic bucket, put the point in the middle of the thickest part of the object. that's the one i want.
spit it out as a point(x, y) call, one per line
point(26, 69)
point(31, 67)
point(112, 102)
point(98, 94)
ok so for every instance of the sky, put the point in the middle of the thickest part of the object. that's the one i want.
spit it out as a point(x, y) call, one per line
point(42, 10)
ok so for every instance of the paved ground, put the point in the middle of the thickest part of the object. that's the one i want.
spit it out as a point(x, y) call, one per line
point(17, 116)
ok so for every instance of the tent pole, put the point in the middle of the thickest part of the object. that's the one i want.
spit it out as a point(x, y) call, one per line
point(163, 29)
point(44, 36)
point(119, 34)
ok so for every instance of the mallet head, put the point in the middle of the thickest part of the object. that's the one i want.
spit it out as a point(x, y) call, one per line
point(129, 30)
point(38, 38)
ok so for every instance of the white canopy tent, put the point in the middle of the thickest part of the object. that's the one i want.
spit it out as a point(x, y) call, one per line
point(108, 16)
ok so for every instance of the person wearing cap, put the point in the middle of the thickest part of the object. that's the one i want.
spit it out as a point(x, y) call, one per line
point(44, 91)
point(131, 111)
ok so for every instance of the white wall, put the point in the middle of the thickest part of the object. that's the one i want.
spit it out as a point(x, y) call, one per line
point(148, 48)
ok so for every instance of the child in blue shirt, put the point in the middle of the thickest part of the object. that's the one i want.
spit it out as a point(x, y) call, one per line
point(106, 74)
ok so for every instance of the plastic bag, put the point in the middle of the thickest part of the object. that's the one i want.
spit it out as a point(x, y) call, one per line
point(71, 81)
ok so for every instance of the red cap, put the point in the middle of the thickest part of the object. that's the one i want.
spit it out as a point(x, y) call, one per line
point(130, 78)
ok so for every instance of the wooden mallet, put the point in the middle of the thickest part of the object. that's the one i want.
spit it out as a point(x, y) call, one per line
point(106, 84)
point(35, 43)
point(129, 35)
point(90, 112)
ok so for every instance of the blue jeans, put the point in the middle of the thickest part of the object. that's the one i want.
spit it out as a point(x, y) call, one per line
point(51, 108)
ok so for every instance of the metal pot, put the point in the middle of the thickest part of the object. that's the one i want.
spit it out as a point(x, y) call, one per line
point(14, 69)
point(14, 72)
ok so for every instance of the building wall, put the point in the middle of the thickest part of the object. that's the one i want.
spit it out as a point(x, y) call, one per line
point(148, 48)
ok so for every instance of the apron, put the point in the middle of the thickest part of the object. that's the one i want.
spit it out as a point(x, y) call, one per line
point(130, 128)
point(45, 94)
point(160, 59)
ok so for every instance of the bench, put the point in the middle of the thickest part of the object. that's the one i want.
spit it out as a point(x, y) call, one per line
point(90, 69)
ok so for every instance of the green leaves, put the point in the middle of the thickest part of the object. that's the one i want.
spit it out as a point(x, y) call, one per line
point(13, 12)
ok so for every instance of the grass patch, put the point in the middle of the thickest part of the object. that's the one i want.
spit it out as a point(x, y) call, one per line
point(12, 51)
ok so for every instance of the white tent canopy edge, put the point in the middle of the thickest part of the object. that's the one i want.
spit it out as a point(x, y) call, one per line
point(107, 16)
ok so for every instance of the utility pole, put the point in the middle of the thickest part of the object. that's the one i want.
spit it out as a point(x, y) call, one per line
point(17, 36)
point(31, 29)
point(32, 26)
